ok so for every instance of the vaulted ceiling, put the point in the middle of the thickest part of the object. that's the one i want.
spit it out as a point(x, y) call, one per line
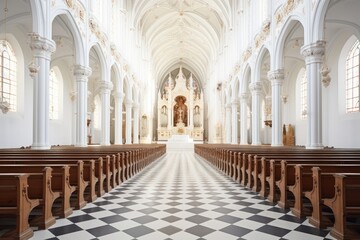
point(182, 32)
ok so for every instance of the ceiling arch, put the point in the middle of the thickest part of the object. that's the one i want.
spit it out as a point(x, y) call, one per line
point(182, 32)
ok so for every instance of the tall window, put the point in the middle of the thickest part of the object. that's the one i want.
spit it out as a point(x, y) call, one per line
point(303, 93)
point(352, 79)
point(53, 95)
point(8, 75)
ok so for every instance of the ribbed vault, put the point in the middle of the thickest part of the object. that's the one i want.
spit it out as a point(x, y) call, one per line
point(182, 32)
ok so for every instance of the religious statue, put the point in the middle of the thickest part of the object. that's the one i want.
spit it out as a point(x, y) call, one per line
point(164, 117)
point(197, 120)
point(180, 111)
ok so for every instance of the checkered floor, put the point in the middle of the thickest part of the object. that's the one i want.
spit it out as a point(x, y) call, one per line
point(181, 196)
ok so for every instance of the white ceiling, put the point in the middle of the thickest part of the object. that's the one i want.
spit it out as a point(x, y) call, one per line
point(182, 32)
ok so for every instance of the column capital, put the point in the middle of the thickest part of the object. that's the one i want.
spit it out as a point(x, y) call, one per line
point(314, 52)
point(276, 77)
point(42, 47)
point(81, 71)
point(135, 106)
point(119, 95)
point(105, 86)
point(234, 103)
point(128, 103)
point(255, 87)
point(228, 105)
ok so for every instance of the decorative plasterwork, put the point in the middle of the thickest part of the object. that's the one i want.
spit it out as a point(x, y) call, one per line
point(256, 87)
point(263, 34)
point(247, 54)
point(285, 10)
point(114, 52)
point(236, 69)
point(76, 7)
point(326, 79)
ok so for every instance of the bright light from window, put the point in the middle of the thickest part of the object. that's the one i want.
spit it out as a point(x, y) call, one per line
point(352, 79)
point(8, 81)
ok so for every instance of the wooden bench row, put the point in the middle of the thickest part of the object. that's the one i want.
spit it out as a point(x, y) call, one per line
point(68, 177)
point(289, 176)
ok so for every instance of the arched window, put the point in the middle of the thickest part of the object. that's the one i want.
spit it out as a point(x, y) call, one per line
point(53, 95)
point(303, 93)
point(8, 82)
point(352, 79)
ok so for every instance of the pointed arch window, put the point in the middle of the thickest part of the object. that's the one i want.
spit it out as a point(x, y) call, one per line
point(8, 83)
point(352, 79)
point(53, 95)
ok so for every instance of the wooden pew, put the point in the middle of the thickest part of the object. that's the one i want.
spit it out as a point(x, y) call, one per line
point(95, 169)
point(40, 187)
point(286, 170)
point(309, 179)
point(60, 182)
point(345, 203)
point(76, 178)
point(14, 201)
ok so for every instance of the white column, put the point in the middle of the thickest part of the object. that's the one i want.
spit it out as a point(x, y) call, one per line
point(170, 110)
point(105, 89)
point(191, 103)
point(256, 90)
point(42, 49)
point(136, 123)
point(234, 122)
point(128, 106)
point(118, 117)
point(228, 123)
point(313, 54)
point(81, 74)
point(276, 78)
point(244, 98)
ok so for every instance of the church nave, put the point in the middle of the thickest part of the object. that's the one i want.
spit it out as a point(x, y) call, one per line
point(180, 196)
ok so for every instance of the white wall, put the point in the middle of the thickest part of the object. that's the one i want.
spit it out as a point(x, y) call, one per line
point(16, 127)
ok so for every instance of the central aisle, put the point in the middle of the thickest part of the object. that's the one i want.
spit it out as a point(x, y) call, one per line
point(180, 197)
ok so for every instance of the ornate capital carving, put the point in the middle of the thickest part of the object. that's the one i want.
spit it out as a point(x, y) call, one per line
point(234, 103)
point(42, 47)
point(314, 52)
point(128, 103)
point(80, 70)
point(244, 97)
point(105, 86)
point(276, 77)
point(119, 95)
point(81, 73)
point(256, 87)
point(135, 106)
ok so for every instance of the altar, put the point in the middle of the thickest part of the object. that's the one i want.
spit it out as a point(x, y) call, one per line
point(180, 107)
point(180, 143)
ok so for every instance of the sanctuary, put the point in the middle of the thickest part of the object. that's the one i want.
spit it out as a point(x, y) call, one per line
point(180, 106)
